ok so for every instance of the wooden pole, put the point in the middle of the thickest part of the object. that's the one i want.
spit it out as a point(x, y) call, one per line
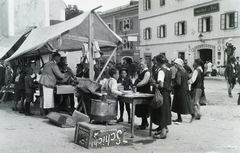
point(90, 39)
point(114, 51)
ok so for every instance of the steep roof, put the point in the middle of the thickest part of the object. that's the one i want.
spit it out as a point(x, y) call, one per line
point(132, 4)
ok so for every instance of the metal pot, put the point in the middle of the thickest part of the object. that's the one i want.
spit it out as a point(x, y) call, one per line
point(103, 110)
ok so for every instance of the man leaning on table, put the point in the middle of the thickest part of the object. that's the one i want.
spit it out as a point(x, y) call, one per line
point(50, 75)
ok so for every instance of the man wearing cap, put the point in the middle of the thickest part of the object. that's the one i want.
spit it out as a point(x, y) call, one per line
point(196, 82)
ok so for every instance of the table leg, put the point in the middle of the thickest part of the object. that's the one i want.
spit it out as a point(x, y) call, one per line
point(150, 130)
point(133, 116)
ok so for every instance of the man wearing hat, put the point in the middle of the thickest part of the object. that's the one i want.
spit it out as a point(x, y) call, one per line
point(48, 80)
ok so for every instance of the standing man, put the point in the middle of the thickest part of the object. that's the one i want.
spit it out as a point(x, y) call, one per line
point(230, 75)
point(48, 80)
point(209, 68)
point(196, 82)
point(8, 74)
point(186, 67)
point(2, 71)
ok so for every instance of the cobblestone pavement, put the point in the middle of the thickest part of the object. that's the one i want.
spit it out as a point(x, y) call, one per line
point(216, 132)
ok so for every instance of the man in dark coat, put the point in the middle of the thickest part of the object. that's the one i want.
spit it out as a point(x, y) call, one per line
point(230, 75)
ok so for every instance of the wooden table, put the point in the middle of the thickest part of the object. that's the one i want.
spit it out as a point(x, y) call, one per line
point(64, 89)
point(136, 99)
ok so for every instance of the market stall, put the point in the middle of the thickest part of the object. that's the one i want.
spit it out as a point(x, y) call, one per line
point(69, 36)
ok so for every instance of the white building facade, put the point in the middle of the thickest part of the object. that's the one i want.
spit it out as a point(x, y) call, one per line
point(18, 16)
point(189, 29)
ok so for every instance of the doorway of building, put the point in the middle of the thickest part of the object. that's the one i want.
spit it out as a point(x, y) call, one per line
point(205, 55)
point(127, 60)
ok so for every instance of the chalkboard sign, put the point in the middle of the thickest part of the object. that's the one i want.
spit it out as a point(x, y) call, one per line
point(206, 9)
point(96, 136)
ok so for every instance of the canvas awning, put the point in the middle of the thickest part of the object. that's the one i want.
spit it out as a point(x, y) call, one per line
point(6, 43)
point(72, 33)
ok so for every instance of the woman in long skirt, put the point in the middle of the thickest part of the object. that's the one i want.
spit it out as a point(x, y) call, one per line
point(143, 85)
point(181, 100)
point(162, 115)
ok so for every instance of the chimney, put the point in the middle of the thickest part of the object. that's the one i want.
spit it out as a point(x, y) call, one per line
point(132, 2)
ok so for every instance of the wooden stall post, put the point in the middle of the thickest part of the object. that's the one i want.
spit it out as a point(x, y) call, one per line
point(90, 39)
point(114, 51)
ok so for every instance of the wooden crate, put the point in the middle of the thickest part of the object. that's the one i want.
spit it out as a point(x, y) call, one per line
point(96, 136)
point(64, 120)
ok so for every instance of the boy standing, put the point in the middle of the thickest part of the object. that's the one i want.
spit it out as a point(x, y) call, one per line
point(111, 87)
point(126, 83)
point(29, 90)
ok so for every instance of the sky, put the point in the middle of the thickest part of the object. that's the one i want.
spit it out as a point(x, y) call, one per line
point(87, 5)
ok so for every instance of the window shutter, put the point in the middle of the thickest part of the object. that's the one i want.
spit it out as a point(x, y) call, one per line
point(223, 22)
point(185, 27)
point(158, 32)
point(176, 29)
point(120, 26)
point(165, 31)
point(131, 45)
point(150, 33)
point(200, 25)
point(149, 4)
point(131, 23)
point(144, 4)
point(144, 34)
point(211, 23)
point(236, 19)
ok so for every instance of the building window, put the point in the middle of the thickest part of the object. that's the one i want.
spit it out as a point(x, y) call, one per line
point(229, 20)
point(126, 24)
point(126, 44)
point(181, 55)
point(162, 2)
point(109, 25)
point(147, 33)
point(161, 31)
point(181, 28)
point(146, 4)
point(205, 24)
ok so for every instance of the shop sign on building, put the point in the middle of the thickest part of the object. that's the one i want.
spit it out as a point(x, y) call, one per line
point(206, 9)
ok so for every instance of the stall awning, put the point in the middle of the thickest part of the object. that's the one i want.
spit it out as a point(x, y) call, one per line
point(72, 33)
point(6, 43)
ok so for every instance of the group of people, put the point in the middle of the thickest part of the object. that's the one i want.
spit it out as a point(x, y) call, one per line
point(55, 71)
point(24, 90)
point(185, 99)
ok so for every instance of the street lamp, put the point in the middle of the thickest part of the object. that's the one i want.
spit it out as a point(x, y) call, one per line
point(200, 37)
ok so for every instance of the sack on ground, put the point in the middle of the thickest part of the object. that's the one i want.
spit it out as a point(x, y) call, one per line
point(157, 100)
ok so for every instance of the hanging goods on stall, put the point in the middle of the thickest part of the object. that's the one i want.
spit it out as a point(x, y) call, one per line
point(157, 100)
point(96, 50)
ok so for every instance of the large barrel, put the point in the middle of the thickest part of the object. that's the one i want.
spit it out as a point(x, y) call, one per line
point(103, 110)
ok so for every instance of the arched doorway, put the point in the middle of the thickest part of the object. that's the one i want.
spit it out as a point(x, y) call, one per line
point(206, 52)
point(127, 60)
point(206, 55)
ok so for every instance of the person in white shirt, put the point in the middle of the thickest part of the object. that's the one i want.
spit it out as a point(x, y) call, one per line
point(111, 87)
point(209, 68)
point(196, 82)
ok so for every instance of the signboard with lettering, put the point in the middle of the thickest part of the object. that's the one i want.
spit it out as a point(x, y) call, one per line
point(90, 135)
point(206, 9)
